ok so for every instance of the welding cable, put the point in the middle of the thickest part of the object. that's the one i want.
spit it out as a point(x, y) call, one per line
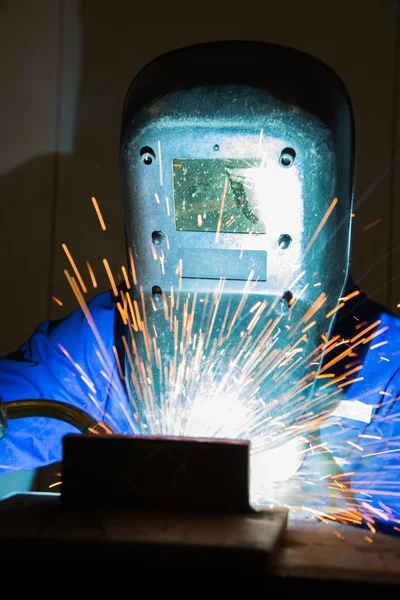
point(51, 409)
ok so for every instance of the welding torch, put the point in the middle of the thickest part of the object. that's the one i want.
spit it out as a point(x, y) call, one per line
point(51, 409)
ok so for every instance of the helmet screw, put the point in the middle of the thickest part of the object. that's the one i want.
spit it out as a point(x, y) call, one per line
point(285, 303)
point(157, 296)
point(284, 241)
point(147, 155)
point(157, 237)
point(287, 157)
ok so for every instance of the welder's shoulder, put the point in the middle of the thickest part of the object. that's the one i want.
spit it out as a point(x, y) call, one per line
point(74, 335)
point(380, 348)
point(385, 335)
point(95, 321)
point(363, 317)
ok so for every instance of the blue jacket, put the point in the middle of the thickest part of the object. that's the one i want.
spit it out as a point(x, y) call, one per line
point(65, 360)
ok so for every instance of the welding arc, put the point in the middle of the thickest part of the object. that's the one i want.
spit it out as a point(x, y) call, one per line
point(53, 409)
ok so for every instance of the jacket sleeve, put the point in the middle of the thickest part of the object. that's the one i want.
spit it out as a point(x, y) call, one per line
point(70, 360)
point(376, 468)
point(364, 436)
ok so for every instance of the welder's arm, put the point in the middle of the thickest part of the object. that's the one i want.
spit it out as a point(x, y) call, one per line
point(69, 362)
point(375, 465)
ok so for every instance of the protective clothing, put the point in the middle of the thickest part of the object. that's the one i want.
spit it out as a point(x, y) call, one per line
point(63, 360)
point(237, 166)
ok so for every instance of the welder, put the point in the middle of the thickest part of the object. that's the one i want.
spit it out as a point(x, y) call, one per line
point(239, 319)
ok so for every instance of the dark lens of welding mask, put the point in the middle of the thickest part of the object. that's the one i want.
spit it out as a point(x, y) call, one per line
point(218, 195)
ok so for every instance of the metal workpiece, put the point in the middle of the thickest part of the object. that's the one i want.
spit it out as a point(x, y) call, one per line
point(156, 473)
point(182, 503)
point(145, 504)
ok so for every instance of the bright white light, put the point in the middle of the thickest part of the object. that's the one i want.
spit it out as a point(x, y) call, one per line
point(210, 416)
point(232, 415)
point(274, 195)
point(272, 467)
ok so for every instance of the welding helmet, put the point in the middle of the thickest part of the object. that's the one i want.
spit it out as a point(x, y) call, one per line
point(237, 162)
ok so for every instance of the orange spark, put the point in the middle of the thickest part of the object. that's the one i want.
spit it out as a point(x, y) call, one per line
point(92, 277)
point(221, 209)
point(358, 368)
point(356, 337)
point(153, 304)
point(256, 317)
point(368, 539)
point(331, 312)
point(132, 263)
point(355, 446)
point(154, 252)
point(98, 212)
point(309, 326)
point(132, 314)
point(118, 362)
point(345, 298)
point(75, 268)
point(87, 313)
point(54, 484)
point(57, 300)
point(137, 313)
point(178, 270)
point(319, 513)
point(123, 313)
point(322, 223)
point(110, 276)
point(253, 308)
point(322, 298)
point(375, 334)
point(342, 385)
point(372, 224)
point(371, 527)
point(125, 274)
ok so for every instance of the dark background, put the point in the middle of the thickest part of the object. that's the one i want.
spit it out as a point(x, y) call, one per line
point(65, 66)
